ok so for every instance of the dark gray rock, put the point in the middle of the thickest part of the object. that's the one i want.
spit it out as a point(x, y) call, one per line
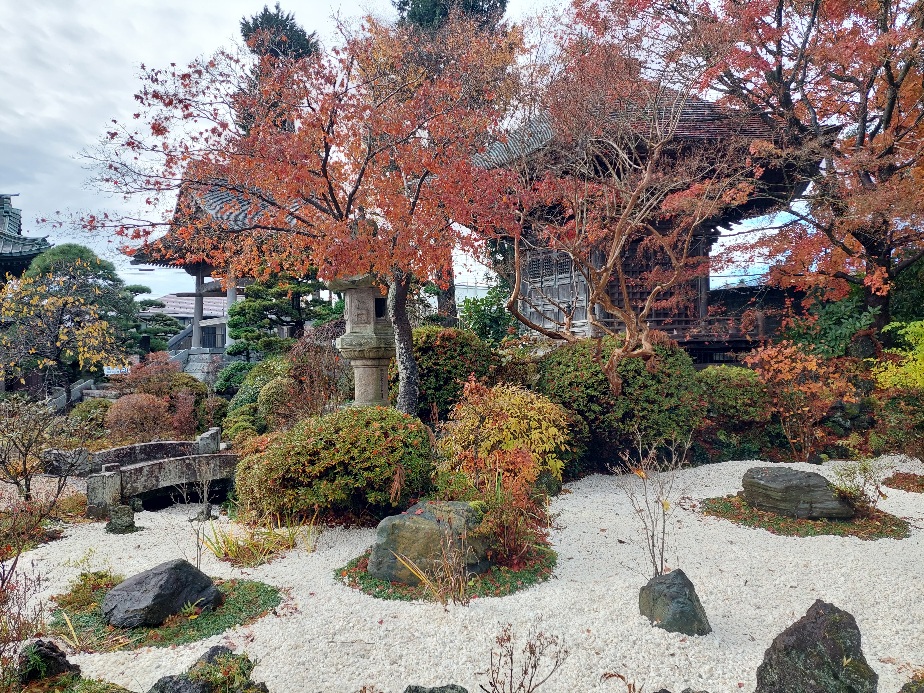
point(213, 653)
point(42, 659)
point(794, 493)
point(670, 602)
point(419, 534)
point(121, 520)
point(819, 653)
point(76, 462)
point(151, 597)
point(449, 688)
point(179, 683)
point(913, 687)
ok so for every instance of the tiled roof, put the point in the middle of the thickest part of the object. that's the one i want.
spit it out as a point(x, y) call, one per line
point(182, 307)
point(13, 245)
point(698, 120)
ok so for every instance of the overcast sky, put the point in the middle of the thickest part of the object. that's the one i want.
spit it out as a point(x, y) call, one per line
point(69, 66)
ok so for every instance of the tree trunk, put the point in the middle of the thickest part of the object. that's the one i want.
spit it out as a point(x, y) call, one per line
point(408, 378)
point(446, 304)
point(874, 300)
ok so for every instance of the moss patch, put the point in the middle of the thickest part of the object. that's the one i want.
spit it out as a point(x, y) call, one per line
point(80, 622)
point(872, 524)
point(906, 481)
point(68, 683)
point(497, 582)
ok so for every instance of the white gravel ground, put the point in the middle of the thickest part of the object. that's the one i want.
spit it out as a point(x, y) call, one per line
point(327, 637)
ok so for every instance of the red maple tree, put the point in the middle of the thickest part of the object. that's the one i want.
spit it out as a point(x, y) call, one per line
point(356, 161)
point(622, 170)
point(845, 78)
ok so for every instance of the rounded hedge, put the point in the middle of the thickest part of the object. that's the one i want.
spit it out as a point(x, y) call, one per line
point(446, 358)
point(358, 461)
point(256, 378)
point(661, 398)
point(738, 415)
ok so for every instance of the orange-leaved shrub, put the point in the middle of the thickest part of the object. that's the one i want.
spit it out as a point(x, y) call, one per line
point(802, 388)
point(498, 446)
point(138, 418)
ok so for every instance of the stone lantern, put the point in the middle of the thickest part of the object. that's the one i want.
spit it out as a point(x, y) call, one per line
point(369, 342)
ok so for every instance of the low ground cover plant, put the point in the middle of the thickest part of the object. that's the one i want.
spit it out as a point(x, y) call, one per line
point(499, 581)
point(70, 683)
point(870, 525)
point(905, 481)
point(79, 621)
point(356, 463)
point(250, 546)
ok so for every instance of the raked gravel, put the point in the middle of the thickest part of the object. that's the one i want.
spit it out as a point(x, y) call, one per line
point(328, 637)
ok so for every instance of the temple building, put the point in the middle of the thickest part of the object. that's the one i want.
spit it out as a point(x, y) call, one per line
point(16, 251)
point(711, 324)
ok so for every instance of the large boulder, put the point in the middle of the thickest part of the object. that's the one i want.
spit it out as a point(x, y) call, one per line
point(670, 602)
point(819, 653)
point(419, 535)
point(151, 597)
point(916, 685)
point(42, 659)
point(785, 491)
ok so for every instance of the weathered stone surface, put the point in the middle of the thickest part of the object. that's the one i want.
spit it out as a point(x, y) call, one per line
point(42, 659)
point(670, 602)
point(794, 493)
point(151, 597)
point(121, 520)
point(179, 684)
point(819, 653)
point(213, 653)
point(176, 471)
point(419, 533)
point(209, 442)
point(913, 687)
point(75, 462)
point(449, 688)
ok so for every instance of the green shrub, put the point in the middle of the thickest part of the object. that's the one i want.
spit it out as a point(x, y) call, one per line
point(91, 411)
point(899, 422)
point(256, 378)
point(356, 461)
point(661, 397)
point(738, 417)
point(274, 403)
point(446, 359)
point(231, 377)
point(243, 422)
point(212, 412)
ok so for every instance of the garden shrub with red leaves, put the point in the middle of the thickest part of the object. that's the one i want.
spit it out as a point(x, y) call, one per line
point(496, 445)
point(139, 418)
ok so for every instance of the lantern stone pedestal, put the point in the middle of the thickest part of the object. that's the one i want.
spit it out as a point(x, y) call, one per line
point(369, 342)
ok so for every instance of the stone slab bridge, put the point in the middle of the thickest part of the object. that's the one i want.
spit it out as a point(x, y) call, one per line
point(118, 474)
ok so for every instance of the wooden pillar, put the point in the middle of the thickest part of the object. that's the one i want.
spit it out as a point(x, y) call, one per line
point(230, 298)
point(198, 302)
